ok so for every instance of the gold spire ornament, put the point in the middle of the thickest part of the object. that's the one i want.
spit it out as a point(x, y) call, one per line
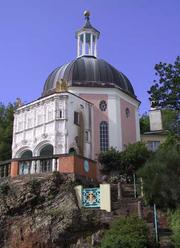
point(61, 86)
point(86, 13)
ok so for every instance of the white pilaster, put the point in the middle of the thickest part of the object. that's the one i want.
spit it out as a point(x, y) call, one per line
point(84, 44)
point(91, 44)
point(95, 47)
point(115, 135)
point(78, 46)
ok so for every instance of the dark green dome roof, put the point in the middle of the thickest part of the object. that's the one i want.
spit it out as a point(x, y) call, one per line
point(88, 71)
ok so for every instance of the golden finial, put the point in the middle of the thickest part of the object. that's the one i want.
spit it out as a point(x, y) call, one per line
point(61, 86)
point(87, 14)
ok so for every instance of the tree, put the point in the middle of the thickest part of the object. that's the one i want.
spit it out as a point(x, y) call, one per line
point(171, 120)
point(144, 123)
point(165, 92)
point(161, 176)
point(6, 130)
point(134, 157)
point(125, 162)
point(110, 160)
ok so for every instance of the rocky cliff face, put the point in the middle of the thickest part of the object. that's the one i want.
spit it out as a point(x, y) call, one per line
point(42, 212)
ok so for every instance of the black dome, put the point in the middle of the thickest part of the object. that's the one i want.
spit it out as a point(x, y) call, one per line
point(88, 71)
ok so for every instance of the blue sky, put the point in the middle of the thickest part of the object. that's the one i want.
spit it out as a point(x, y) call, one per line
point(37, 36)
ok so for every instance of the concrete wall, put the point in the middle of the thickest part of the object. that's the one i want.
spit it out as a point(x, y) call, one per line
point(75, 165)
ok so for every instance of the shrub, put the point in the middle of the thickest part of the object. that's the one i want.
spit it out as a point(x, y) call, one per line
point(110, 160)
point(175, 226)
point(128, 232)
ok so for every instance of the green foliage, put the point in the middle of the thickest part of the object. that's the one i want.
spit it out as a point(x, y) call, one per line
point(171, 120)
point(165, 92)
point(4, 188)
point(134, 157)
point(144, 123)
point(110, 160)
point(161, 180)
point(128, 232)
point(127, 161)
point(175, 226)
point(171, 140)
point(6, 130)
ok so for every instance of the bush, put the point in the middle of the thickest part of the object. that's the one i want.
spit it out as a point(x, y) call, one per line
point(128, 232)
point(125, 162)
point(175, 226)
point(110, 160)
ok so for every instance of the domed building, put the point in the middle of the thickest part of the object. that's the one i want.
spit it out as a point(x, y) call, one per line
point(86, 107)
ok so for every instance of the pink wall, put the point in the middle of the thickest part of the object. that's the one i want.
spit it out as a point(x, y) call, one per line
point(98, 116)
point(128, 124)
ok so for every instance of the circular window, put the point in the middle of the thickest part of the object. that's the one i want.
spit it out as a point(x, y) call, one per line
point(103, 105)
point(127, 112)
point(86, 165)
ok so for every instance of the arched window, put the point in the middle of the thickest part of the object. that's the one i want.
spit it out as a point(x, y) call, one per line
point(72, 151)
point(26, 154)
point(46, 151)
point(46, 163)
point(104, 136)
point(25, 166)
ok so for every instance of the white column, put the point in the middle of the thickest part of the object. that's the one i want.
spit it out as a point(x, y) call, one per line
point(91, 44)
point(53, 165)
point(84, 44)
point(24, 126)
point(95, 47)
point(44, 118)
point(78, 46)
point(32, 171)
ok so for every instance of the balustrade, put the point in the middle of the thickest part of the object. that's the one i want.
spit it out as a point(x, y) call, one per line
point(5, 169)
point(31, 165)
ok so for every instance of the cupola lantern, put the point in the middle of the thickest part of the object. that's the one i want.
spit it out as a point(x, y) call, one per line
point(87, 38)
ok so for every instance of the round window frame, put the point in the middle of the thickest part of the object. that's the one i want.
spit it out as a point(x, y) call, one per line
point(86, 166)
point(103, 105)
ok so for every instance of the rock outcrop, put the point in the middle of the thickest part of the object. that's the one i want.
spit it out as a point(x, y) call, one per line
point(42, 212)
